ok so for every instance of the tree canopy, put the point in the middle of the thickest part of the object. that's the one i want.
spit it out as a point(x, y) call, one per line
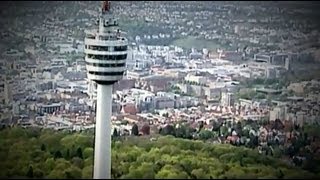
point(50, 154)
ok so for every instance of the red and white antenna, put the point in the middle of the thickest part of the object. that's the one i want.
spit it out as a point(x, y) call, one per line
point(105, 7)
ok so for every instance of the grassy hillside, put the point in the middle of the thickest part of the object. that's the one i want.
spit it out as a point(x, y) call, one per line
point(192, 42)
point(36, 154)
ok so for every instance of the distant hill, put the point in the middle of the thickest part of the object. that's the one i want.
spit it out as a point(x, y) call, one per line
point(38, 153)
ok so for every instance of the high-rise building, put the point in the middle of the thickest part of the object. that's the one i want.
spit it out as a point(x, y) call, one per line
point(105, 56)
point(7, 93)
point(270, 72)
point(287, 63)
point(236, 29)
point(278, 113)
point(227, 99)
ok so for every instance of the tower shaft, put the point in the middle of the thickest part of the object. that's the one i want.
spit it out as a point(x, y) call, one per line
point(102, 149)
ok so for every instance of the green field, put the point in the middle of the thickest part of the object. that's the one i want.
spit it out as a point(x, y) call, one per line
point(193, 42)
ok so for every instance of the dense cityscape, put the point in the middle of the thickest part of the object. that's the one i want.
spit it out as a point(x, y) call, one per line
point(236, 82)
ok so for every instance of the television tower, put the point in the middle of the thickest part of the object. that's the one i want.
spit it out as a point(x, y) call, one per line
point(105, 56)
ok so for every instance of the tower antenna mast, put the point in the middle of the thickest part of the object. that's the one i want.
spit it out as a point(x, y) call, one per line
point(105, 7)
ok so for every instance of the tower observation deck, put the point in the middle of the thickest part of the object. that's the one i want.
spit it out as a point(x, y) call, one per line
point(105, 50)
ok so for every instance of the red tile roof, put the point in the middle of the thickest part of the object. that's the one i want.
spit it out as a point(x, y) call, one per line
point(130, 109)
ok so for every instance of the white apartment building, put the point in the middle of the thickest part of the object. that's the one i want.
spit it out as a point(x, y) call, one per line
point(227, 99)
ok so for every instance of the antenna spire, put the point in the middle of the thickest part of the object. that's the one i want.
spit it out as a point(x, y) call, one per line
point(105, 7)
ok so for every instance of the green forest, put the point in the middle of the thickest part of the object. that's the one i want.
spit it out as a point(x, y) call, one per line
point(36, 153)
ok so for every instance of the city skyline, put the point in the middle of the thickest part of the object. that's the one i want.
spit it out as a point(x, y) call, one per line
point(226, 75)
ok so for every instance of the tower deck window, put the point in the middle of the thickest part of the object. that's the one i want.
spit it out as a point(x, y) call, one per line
point(120, 48)
point(106, 73)
point(107, 57)
point(106, 65)
point(98, 48)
